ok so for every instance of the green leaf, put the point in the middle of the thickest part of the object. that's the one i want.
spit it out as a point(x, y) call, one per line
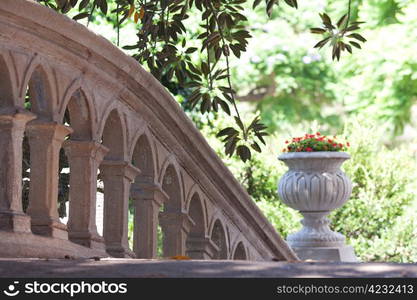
point(227, 131)
point(355, 44)
point(256, 3)
point(85, 15)
point(342, 21)
point(255, 146)
point(318, 30)
point(322, 43)
point(191, 50)
point(243, 152)
point(103, 6)
point(225, 106)
point(83, 4)
point(357, 36)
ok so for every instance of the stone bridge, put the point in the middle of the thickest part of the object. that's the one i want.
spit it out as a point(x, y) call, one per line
point(63, 87)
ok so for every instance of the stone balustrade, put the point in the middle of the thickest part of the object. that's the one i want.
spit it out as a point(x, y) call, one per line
point(65, 88)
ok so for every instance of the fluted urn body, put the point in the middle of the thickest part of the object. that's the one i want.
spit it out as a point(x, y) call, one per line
point(315, 185)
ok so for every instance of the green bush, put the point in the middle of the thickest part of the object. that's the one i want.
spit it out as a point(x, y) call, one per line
point(378, 219)
point(375, 219)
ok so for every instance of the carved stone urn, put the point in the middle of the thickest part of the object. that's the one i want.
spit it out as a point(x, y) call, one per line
point(314, 185)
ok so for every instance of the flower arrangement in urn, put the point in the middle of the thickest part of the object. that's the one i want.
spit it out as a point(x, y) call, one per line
point(315, 142)
point(315, 185)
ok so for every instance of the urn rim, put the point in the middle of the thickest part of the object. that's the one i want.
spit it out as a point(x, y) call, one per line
point(318, 154)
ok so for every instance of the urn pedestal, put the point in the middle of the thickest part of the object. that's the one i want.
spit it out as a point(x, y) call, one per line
point(314, 185)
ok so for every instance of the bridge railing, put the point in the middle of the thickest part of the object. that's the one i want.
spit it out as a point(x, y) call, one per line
point(63, 88)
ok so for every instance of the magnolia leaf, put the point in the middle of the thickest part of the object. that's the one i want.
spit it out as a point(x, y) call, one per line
point(243, 152)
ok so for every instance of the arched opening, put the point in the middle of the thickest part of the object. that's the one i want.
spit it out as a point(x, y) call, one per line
point(171, 186)
point(240, 252)
point(39, 100)
point(45, 140)
point(218, 236)
point(143, 159)
point(146, 203)
point(79, 174)
point(196, 214)
point(12, 123)
point(117, 175)
point(196, 240)
point(77, 116)
point(113, 137)
point(171, 217)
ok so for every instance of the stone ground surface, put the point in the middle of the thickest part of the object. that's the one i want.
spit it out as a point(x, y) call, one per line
point(124, 268)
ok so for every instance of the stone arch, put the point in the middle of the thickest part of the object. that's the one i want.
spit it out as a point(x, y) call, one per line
point(197, 214)
point(117, 175)
point(198, 244)
point(40, 92)
point(80, 116)
point(6, 85)
point(86, 102)
point(218, 236)
point(170, 180)
point(113, 136)
point(144, 159)
point(239, 252)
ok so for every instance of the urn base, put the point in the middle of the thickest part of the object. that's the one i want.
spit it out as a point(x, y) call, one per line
point(339, 254)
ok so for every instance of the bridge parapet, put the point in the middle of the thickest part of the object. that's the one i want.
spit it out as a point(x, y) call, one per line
point(63, 87)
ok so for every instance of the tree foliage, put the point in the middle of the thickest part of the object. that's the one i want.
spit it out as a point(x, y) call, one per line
point(163, 45)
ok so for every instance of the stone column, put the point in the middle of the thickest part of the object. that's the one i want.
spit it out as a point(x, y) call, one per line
point(45, 140)
point(117, 177)
point(12, 128)
point(201, 248)
point(84, 159)
point(148, 199)
point(175, 226)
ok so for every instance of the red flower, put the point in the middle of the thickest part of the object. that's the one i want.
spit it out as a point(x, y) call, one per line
point(308, 149)
point(330, 141)
point(334, 145)
point(286, 142)
point(318, 133)
point(348, 144)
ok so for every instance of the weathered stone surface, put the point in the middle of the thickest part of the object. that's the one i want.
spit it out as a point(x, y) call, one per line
point(117, 177)
point(176, 226)
point(148, 199)
point(139, 268)
point(75, 76)
point(12, 126)
point(45, 141)
point(84, 159)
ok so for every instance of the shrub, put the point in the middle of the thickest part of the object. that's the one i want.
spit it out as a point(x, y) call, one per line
point(378, 219)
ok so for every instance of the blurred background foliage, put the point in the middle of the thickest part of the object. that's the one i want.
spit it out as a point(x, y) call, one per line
point(369, 97)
